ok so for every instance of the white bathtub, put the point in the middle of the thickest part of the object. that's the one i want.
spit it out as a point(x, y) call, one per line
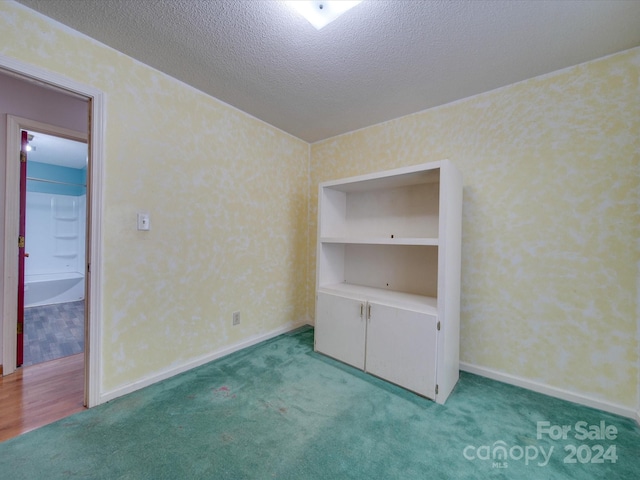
point(47, 289)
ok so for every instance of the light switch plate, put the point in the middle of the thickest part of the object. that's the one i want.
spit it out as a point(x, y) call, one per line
point(143, 221)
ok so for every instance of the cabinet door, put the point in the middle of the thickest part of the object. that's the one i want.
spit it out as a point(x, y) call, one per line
point(401, 348)
point(340, 328)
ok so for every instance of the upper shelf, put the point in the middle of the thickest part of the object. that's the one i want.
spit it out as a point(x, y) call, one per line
point(381, 241)
point(405, 212)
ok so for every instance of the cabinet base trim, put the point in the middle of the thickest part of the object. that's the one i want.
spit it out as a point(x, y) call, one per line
point(551, 391)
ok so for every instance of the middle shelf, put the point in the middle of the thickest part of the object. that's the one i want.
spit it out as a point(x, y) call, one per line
point(432, 242)
point(402, 267)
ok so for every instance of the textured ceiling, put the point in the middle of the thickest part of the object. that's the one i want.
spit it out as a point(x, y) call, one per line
point(379, 61)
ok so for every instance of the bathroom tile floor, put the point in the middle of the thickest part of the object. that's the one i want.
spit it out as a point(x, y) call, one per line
point(53, 331)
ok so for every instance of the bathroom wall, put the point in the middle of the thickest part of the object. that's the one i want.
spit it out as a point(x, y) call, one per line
point(550, 225)
point(71, 181)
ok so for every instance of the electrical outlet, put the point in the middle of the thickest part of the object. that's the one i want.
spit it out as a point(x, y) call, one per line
point(236, 318)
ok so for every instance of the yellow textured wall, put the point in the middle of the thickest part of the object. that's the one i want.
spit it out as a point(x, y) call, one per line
point(227, 196)
point(550, 222)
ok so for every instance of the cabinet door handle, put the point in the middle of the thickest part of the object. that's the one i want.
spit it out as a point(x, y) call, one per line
point(369, 311)
point(361, 309)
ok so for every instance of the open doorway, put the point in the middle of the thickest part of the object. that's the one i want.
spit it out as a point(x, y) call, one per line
point(91, 122)
point(55, 245)
point(52, 196)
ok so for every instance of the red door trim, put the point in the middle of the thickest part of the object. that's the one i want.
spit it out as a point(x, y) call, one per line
point(21, 241)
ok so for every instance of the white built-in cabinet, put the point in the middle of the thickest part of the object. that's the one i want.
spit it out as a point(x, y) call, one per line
point(388, 275)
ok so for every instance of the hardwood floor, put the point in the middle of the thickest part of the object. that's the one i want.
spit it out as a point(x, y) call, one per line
point(41, 394)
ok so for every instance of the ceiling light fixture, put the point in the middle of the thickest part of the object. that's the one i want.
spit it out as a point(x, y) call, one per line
point(321, 13)
point(29, 140)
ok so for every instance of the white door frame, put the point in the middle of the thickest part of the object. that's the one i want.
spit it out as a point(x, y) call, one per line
point(94, 238)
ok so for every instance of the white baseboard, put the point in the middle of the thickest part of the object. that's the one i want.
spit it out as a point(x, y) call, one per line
point(638, 417)
point(551, 391)
point(170, 372)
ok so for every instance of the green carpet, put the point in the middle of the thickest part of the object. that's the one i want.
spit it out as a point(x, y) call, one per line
point(279, 410)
